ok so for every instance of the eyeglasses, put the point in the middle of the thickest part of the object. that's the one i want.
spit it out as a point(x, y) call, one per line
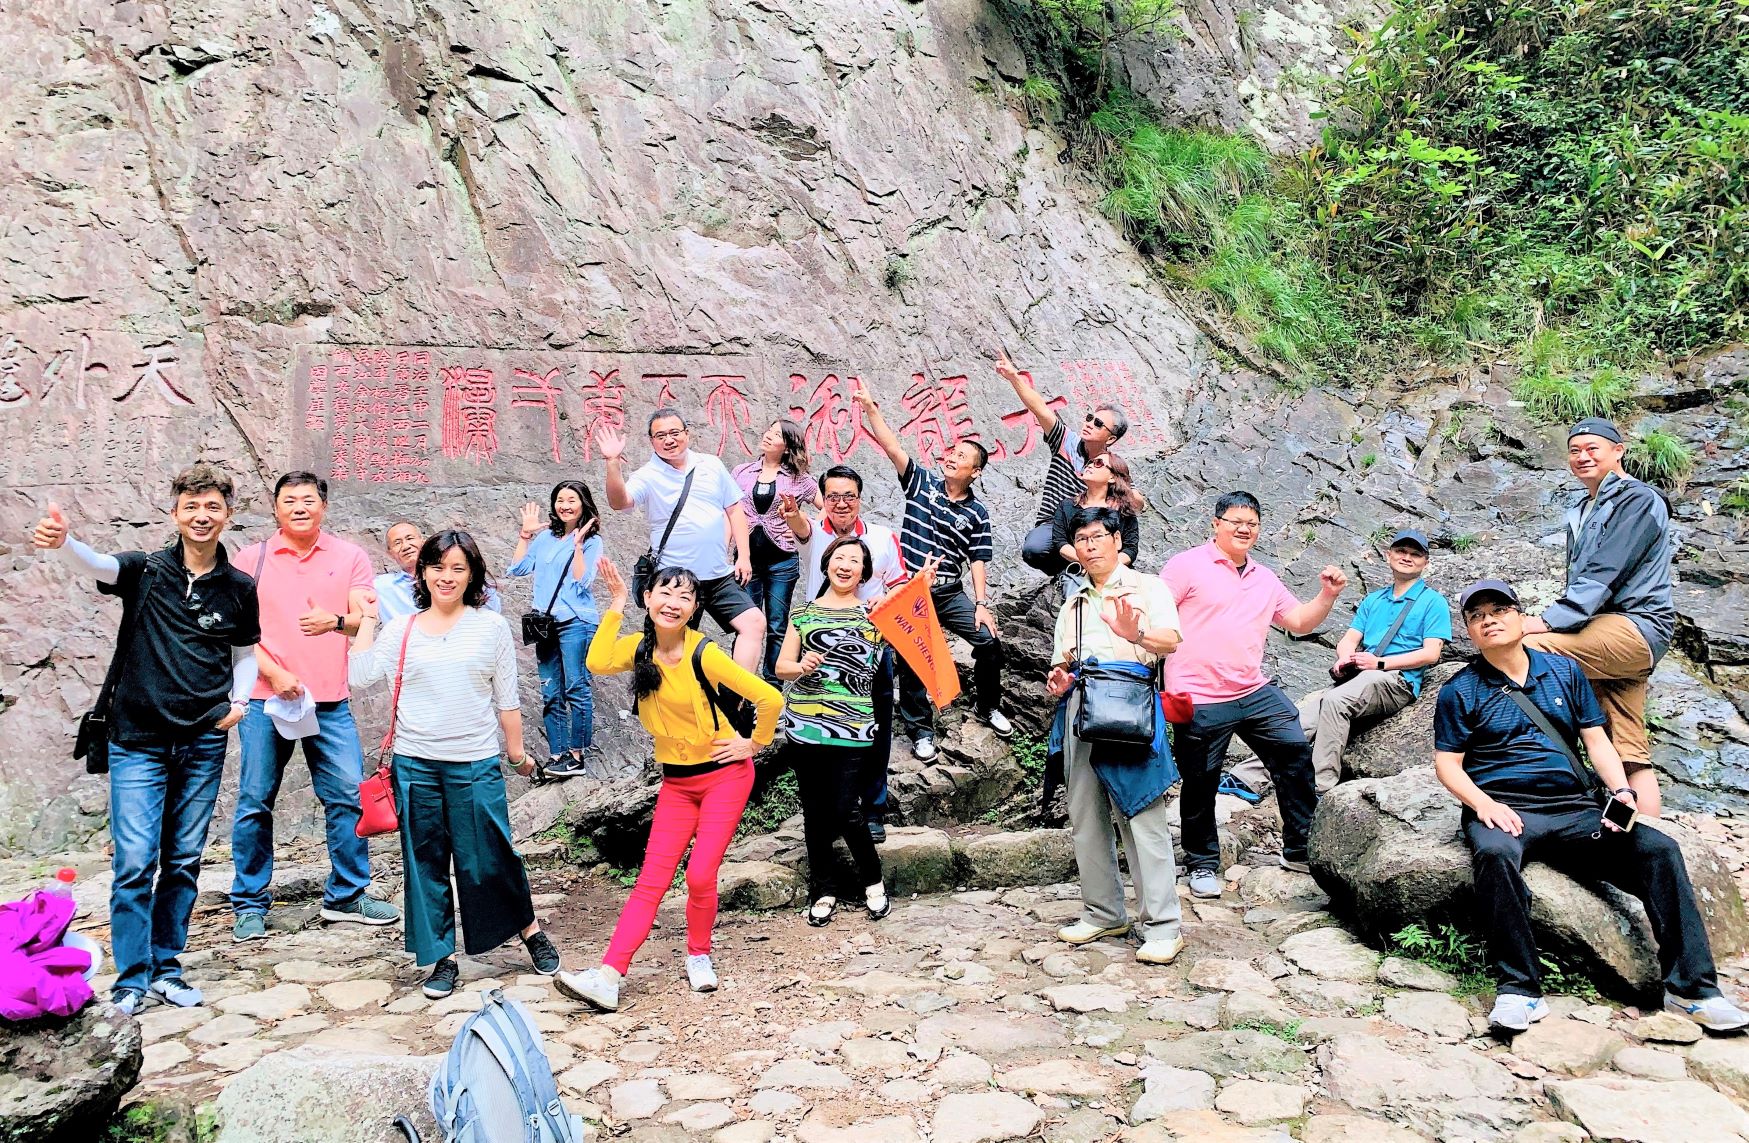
point(1479, 616)
point(1240, 525)
point(1097, 423)
point(1092, 537)
point(668, 435)
point(843, 497)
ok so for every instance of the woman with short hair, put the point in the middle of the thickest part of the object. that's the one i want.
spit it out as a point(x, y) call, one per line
point(452, 669)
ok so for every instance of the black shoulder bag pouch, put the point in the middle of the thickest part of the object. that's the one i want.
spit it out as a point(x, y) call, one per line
point(92, 741)
point(539, 628)
point(1340, 675)
point(1588, 779)
point(650, 562)
point(1117, 708)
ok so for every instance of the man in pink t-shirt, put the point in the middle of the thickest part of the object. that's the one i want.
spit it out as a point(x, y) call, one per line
point(1227, 602)
point(311, 586)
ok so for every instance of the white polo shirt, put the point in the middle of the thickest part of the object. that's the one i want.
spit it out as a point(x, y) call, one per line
point(883, 545)
point(700, 541)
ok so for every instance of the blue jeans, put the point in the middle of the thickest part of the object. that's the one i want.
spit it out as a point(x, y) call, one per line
point(161, 798)
point(336, 767)
point(567, 706)
point(772, 588)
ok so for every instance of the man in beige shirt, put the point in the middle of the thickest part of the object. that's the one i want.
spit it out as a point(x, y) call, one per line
point(1119, 616)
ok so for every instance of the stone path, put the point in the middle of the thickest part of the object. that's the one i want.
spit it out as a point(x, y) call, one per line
point(958, 1019)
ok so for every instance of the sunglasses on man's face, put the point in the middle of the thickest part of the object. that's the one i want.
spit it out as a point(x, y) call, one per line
point(1097, 423)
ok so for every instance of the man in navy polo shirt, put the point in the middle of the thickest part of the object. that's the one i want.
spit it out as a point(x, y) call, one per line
point(1526, 796)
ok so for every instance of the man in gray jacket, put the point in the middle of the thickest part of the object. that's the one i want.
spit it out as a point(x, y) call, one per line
point(1615, 617)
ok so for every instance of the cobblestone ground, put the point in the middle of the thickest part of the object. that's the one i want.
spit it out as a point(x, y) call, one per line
point(961, 1018)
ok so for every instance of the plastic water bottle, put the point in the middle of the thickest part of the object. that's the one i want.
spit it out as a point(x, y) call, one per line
point(61, 883)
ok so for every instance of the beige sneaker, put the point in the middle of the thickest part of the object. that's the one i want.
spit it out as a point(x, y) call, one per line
point(1160, 952)
point(1082, 932)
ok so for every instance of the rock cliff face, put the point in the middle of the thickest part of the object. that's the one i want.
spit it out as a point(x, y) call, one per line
point(427, 249)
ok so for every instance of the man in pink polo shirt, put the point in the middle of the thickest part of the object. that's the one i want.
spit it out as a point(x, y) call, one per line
point(1226, 604)
point(308, 583)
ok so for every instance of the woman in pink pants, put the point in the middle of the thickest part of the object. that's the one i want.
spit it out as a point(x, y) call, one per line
point(682, 687)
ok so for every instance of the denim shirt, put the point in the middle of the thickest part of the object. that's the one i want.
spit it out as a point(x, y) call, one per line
point(1133, 783)
point(549, 558)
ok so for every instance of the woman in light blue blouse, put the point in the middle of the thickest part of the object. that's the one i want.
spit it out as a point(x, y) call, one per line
point(561, 555)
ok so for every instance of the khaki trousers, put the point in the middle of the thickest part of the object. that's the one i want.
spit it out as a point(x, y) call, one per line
point(1326, 717)
point(1614, 656)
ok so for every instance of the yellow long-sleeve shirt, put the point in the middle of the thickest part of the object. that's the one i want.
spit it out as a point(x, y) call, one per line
point(678, 715)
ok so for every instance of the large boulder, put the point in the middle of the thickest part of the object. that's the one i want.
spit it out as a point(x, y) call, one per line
point(1392, 745)
point(316, 1093)
point(1389, 853)
point(1022, 857)
point(62, 1079)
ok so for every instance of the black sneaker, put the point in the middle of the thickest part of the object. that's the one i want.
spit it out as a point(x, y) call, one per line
point(877, 832)
point(442, 980)
point(542, 953)
point(567, 766)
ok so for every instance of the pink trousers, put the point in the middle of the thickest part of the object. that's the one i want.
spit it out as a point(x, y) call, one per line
point(702, 810)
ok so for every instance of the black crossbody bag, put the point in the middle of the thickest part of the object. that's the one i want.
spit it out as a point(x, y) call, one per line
point(645, 569)
point(1117, 708)
point(539, 628)
point(1347, 671)
point(92, 741)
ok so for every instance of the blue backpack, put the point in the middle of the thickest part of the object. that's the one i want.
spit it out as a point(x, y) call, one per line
point(495, 1085)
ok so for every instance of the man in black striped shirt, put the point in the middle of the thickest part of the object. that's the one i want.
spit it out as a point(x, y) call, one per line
point(945, 521)
point(1101, 431)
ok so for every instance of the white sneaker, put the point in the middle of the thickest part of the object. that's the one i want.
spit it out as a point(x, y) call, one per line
point(1513, 1013)
point(175, 991)
point(1085, 932)
point(1714, 1013)
point(1160, 951)
point(700, 974)
point(875, 897)
point(595, 986)
point(999, 723)
point(1205, 883)
point(923, 747)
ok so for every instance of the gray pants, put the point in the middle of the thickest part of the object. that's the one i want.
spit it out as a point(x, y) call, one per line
point(1146, 840)
point(1326, 715)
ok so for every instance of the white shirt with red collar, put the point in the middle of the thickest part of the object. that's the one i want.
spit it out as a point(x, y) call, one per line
point(883, 545)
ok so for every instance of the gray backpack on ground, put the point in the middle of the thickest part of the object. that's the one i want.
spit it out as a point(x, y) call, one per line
point(495, 1085)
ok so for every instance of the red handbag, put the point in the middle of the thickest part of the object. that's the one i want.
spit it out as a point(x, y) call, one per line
point(376, 794)
point(1177, 707)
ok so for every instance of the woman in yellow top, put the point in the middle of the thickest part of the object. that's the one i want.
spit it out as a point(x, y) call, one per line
point(707, 767)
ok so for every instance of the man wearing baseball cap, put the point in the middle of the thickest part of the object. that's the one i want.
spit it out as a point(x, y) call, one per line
point(1615, 617)
point(1506, 737)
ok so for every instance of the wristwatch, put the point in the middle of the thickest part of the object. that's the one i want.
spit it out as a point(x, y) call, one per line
point(980, 602)
point(1628, 790)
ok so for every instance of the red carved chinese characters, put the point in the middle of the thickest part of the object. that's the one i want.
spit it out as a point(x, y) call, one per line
point(834, 428)
point(377, 401)
point(1029, 424)
point(531, 390)
point(940, 417)
point(727, 410)
point(470, 423)
point(603, 406)
point(1109, 383)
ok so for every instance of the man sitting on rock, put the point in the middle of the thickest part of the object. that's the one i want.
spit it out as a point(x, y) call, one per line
point(1118, 616)
point(1226, 603)
point(1615, 617)
point(1527, 796)
point(1397, 633)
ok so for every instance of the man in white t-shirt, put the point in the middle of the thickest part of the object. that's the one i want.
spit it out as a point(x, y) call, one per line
point(841, 486)
point(698, 542)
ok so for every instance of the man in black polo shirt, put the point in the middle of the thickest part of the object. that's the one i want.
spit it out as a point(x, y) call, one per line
point(944, 521)
point(184, 665)
point(1526, 796)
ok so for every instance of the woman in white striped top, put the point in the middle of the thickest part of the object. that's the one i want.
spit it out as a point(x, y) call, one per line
point(456, 663)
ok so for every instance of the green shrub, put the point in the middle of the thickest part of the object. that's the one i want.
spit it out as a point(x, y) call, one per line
point(1734, 500)
point(1660, 457)
point(1565, 399)
point(772, 804)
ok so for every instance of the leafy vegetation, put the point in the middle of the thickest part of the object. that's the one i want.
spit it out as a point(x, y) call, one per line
point(1564, 181)
point(1660, 457)
point(1029, 754)
point(1735, 498)
point(1289, 1031)
point(1454, 951)
point(150, 1122)
point(773, 802)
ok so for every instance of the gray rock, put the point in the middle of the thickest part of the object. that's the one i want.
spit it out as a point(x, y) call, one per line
point(759, 885)
point(1166, 1090)
point(885, 1129)
point(1248, 1009)
point(1649, 1063)
point(1356, 1129)
point(1231, 1053)
point(1401, 973)
point(1217, 974)
point(917, 860)
point(1388, 851)
point(1430, 1013)
point(1640, 1111)
point(1422, 1089)
point(1722, 1062)
point(1666, 1028)
point(803, 1074)
point(989, 1033)
point(1405, 739)
point(337, 1096)
point(61, 1078)
point(1331, 954)
point(1257, 1101)
point(280, 1002)
point(986, 1117)
point(1087, 998)
point(1571, 1046)
point(1027, 857)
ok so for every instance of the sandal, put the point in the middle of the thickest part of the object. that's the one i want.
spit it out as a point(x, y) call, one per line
point(820, 912)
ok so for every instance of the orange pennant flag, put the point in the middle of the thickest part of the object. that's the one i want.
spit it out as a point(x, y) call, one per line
point(907, 619)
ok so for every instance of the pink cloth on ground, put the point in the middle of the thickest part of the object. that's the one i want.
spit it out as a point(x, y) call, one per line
point(39, 976)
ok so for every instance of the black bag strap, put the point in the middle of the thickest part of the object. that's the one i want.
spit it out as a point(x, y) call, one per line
point(1587, 777)
point(554, 598)
point(662, 546)
point(1409, 599)
point(714, 695)
point(124, 639)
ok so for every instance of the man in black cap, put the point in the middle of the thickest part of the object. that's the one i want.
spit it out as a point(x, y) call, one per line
point(1615, 617)
point(1506, 737)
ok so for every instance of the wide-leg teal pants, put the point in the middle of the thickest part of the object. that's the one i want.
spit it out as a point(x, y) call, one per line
point(455, 813)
